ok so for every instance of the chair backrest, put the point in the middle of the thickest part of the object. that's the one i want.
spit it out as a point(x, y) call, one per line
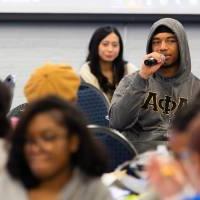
point(18, 110)
point(119, 149)
point(10, 82)
point(93, 103)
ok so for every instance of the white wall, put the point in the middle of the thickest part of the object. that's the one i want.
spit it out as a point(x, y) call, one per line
point(25, 46)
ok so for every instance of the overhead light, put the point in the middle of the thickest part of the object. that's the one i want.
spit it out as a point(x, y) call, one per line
point(178, 2)
point(149, 2)
point(194, 2)
point(163, 2)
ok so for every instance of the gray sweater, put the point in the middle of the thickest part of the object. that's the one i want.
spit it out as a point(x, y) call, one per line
point(142, 109)
point(80, 187)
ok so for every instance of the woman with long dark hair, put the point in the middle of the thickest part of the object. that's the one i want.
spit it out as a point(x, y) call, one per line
point(53, 156)
point(105, 66)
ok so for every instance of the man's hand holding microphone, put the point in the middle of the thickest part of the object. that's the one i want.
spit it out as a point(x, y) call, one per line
point(152, 63)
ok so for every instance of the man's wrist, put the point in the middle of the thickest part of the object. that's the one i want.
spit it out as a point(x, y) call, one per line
point(143, 75)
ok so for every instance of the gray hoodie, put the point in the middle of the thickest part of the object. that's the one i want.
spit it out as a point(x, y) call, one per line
point(141, 108)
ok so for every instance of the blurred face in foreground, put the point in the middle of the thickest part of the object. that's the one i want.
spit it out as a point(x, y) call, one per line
point(49, 147)
point(191, 158)
point(178, 143)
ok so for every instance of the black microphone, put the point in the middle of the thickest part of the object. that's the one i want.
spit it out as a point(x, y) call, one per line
point(150, 62)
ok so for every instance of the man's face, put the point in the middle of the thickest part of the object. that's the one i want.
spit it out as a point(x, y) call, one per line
point(166, 44)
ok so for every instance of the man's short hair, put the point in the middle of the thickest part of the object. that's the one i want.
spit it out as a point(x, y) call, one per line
point(163, 29)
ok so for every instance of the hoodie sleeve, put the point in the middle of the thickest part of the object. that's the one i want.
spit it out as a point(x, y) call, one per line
point(127, 100)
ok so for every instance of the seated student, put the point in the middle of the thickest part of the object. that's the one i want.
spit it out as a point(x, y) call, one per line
point(105, 66)
point(53, 156)
point(52, 79)
point(145, 102)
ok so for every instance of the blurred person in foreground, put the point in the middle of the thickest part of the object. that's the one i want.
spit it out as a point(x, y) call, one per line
point(191, 157)
point(169, 176)
point(50, 79)
point(144, 102)
point(53, 156)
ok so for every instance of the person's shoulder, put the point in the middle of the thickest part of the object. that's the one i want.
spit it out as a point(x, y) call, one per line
point(9, 186)
point(85, 72)
point(96, 188)
point(87, 76)
point(130, 68)
point(90, 188)
point(194, 81)
point(101, 191)
point(85, 67)
point(3, 154)
point(195, 77)
point(4, 177)
point(129, 77)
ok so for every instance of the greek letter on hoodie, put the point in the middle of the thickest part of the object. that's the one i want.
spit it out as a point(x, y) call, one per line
point(143, 108)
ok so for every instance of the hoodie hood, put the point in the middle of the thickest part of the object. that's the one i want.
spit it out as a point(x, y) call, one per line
point(184, 53)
